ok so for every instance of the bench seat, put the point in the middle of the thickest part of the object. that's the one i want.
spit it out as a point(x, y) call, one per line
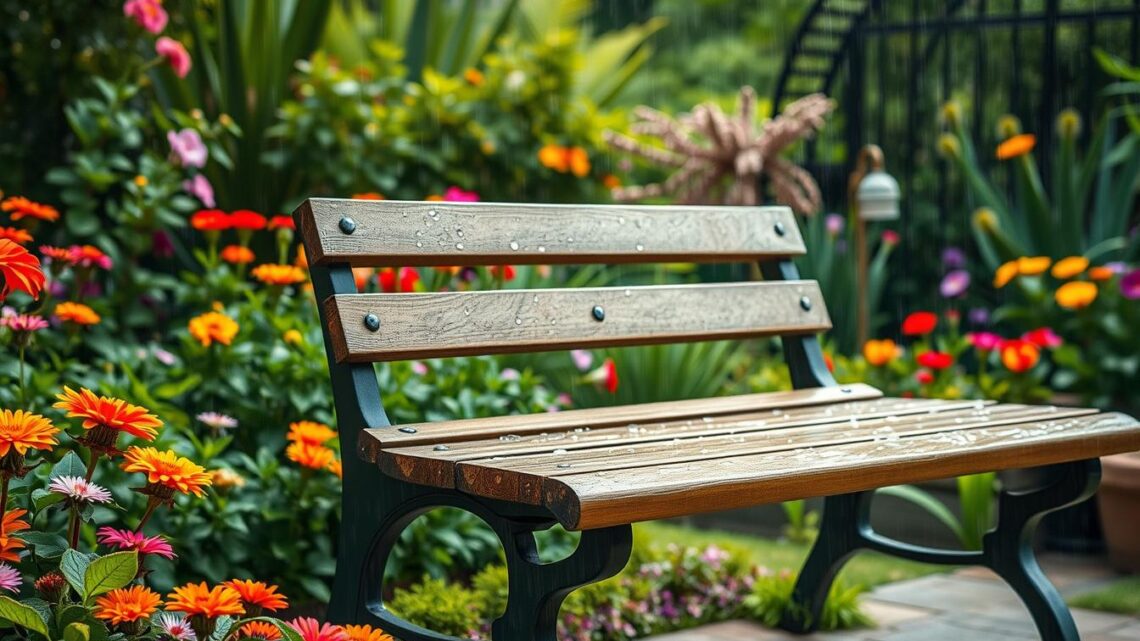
point(607, 466)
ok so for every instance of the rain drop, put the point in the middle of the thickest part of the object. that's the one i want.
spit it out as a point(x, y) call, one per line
point(459, 246)
point(514, 245)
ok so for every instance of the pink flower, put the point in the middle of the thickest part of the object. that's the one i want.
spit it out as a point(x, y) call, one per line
point(1043, 337)
point(312, 630)
point(79, 490)
point(984, 341)
point(175, 53)
point(834, 224)
point(188, 148)
point(176, 626)
point(217, 421)
point(891, 237)
point(128, 540)
point(955, 283)
point(458, 195)
point(200, 188)
point(22, 322)
point(10, 578)
point(582, 359)
point(149, 14)
point(509, 374)
point(419, 368)
point(1130, 285)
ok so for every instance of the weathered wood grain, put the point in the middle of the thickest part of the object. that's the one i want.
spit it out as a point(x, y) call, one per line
point(597, 499)
point(394, 233)
point(522, 320)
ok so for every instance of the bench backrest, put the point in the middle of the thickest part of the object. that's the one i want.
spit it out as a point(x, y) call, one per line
point(376, 327)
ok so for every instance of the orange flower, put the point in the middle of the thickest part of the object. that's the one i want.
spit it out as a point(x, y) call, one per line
point(258, 594)
point(10, 545)
point(880, 352)
point(213, 326)
point(110, 413)
point(368, 195)
point(366, 633)
point(578, 161)
point(610, 181)
point(166, 472)
point(77, 313)
point(237, 255)
point(199, 600)
point(1101, 273)
point(22, 430)
point(1033, 265)
point(1070, 267)
point(336, 467)
point(554, 157)
point(21, 207)
point(1015, 146)
point(1019, 355)
point(1005, 273)
point(315, 457)
point(16, 235)
point(126, 605)
point(310, 433)
point(20, 270)
point(1077, 294)
point(210, 220)
point(474, 77)
point(260, 630)
point(278, 274)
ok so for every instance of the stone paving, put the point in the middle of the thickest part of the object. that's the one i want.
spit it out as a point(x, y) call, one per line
point(968, 604)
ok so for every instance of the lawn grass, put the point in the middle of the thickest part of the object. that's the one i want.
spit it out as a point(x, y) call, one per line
point(868, 569)
point(1121, 596)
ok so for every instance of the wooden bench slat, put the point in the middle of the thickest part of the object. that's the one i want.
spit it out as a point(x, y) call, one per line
point(522, 479)
point(393, 233)
point(600, 499)
point(520, 425)
point(520, 320)
point(430, 465)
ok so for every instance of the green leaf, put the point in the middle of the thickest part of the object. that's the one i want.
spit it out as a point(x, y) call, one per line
point(44, 498)
point(22, 615)
point(77, 632)
point(74, 565)
point(47, 545)
point(927, 502)
point(110, 572)
point(70, 465)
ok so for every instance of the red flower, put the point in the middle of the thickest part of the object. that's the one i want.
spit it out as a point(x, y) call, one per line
point(175, 54)
point(891, 237)
point(935, 360)
point(827, 360)
point(1019, 355)
point(919, 324)
point(1043, 337)
point(282, 222)
point(924, 377)
point(407, 280)
point(508, 271)
point(210, 220)
point(605, 376)
point(246, 219)
point(20, 270)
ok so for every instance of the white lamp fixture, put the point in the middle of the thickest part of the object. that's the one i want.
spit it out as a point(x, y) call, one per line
point(878, 196)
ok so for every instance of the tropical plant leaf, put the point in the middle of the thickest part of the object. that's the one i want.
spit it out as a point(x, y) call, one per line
point(73, 565)
point(925, 500)
point(22, 615)
point(110, 572)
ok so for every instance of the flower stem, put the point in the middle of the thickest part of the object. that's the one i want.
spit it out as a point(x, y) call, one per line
point(73, 527)
point(91, 465)
point(4, 495)
point(23, 385)
point(150, 508)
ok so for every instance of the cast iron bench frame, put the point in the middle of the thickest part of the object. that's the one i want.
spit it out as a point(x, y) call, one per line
point(377, 506)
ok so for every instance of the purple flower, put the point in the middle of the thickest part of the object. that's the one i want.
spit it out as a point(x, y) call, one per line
point(509, 374)
point(955, 283)
point(10, 578)
point(582, 359)
point(161, 244)
point(164, 357)
point(201, 189)
point(834, 224)
point(953, 258)
point(79, 490)
point(217, 421)
point(188, 148)
point(1130, 284)
point(980, 316)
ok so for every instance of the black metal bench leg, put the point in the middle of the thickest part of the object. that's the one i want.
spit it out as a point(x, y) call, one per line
point(537, 590)
point(1007, 549)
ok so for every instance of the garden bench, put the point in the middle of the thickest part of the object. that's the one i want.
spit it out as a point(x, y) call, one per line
point(599, 470)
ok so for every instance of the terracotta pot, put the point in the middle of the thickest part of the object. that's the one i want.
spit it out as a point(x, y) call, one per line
point(1119, 499)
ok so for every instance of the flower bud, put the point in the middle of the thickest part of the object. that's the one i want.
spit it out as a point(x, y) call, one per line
point(952, 113)
point(1069, 124)
point(949, 146)
point(985, 219)
point(1008, 126)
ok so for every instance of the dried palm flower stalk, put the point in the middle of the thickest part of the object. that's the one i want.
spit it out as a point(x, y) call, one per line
point(719, 158)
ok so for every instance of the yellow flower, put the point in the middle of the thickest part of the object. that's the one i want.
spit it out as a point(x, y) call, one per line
point(1069, 123)
point(293, 337)
point(1077, 294)
point(279, 274)
point(949, 146)
point(1005, 273)
point(166, 472)
point(1070, 267)
point(1008, 126)
point(952, 112)
point(1016, 146)
point(880, 352)
point(1033, 265)
point(141, 181)
point(213, 326)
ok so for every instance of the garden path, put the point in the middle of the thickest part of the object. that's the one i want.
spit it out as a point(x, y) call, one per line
point(967, 604)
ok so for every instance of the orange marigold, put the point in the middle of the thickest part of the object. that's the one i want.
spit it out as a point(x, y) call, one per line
point(880, 352)
point(554, 157)
point(200, 600)
point(10, 546)
point(20, 207)
point(366, 633)
point(126, 605)
point(1077, 294)
point(108, 412)
point(166, 472)
point(1005, 273)
point(237, 255)
point(315, 457)
point(77, 313)
point(260, 630)
point(1033, 265)
point(1101, 273)
point(278, 274)
point(310, 433)
point(213, 327)
point(21, 431)
point(20, 270)
point(1070, 267)
point(1015, 146)
point(578, 161)
point(336, 467)
point(368, 195)
point(258, 594)
point(16, 235)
